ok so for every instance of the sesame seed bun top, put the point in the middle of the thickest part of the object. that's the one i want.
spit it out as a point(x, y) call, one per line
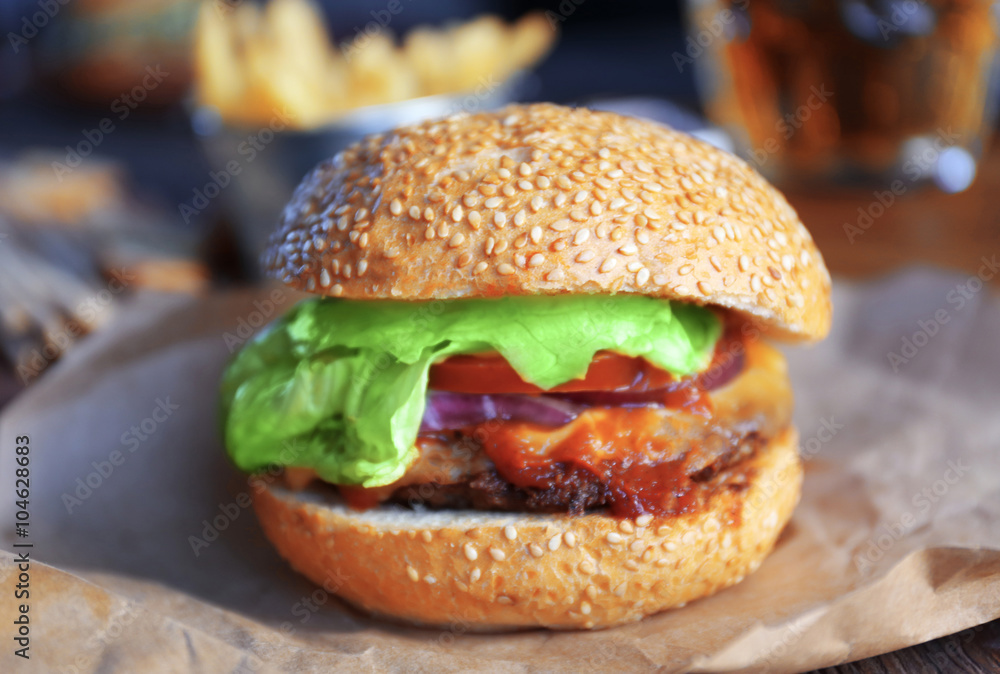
point(543, 199)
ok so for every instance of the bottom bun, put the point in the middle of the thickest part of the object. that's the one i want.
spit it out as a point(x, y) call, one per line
point(491, 570)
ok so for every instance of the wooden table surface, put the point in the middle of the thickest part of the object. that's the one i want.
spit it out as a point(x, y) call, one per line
point(860, 236)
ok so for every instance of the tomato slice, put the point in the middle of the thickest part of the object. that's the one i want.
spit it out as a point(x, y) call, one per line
point(490, 373)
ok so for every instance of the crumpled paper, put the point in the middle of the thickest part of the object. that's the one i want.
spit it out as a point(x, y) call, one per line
point(145, 557)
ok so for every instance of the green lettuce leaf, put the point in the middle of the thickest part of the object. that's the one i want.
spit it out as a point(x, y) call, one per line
point(339, 385)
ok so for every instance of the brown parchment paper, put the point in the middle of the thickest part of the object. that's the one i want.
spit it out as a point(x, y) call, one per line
point(896, 541)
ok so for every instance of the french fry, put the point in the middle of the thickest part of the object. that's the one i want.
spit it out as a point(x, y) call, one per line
point(429, 53)
point(218, 71)
point(531, 41)
point(478, 51)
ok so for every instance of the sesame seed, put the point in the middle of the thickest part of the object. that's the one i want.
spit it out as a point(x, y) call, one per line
point(560, 225)
point(492, 202)
point(344, 222)
point(412, 573)
point(536, 203)
point(619, 590)
point(429, 579)
point(608, 264)
point(536, 260)
point(464, 259)
point(506, 601)
point(613, 537)
point(581, 236)
point(324, 278)
point(524, 185)
point(555, 542)
point(616, 203)
point(457, 240)
point(704, 288)
point(524, 169)
point(586, 256)
point(643, 520)
point(775, 274)
point(499, 219)
point(641, 277)
point(521, 241)
point(596, 208)
point(510, 532)
point(636, 546)
point(591, 592)
point(337, 290)
point(584, 608)
point(470, 199)
point(643, 167)
point(586, 566)
point(543, 183)
point(577, 215)
point(535, 550)
point(504, 173)
point(755, 283)
point(498, 554)
point(631, 565)
point(580, 197)
point(470, 552)
point(457, 213)
point(560, 200)
point(480, 268)
point(563, 183)
point(685, 269)
point(490, 243)
point(628, 249)
point(311, 284)
point(395, 206)
point(505, 269)
point(508, 190)
point(474, 219)
point(426, 536)
point(429, 233)
point(570, 539)
point(536, 234)
point(626, 526)
point(500, 247)
point(615, 174)
point(554, 275)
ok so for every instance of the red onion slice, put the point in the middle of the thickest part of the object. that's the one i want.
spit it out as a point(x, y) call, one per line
point(447, 410)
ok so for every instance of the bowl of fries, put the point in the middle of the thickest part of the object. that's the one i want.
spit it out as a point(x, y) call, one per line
point(275, 94)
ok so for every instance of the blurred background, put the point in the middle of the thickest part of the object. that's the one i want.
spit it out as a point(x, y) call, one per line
point(149, 145)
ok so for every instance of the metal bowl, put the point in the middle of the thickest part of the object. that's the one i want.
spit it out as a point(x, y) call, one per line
point(255, 170)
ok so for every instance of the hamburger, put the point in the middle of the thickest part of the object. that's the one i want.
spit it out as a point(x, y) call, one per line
point(535, 386)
